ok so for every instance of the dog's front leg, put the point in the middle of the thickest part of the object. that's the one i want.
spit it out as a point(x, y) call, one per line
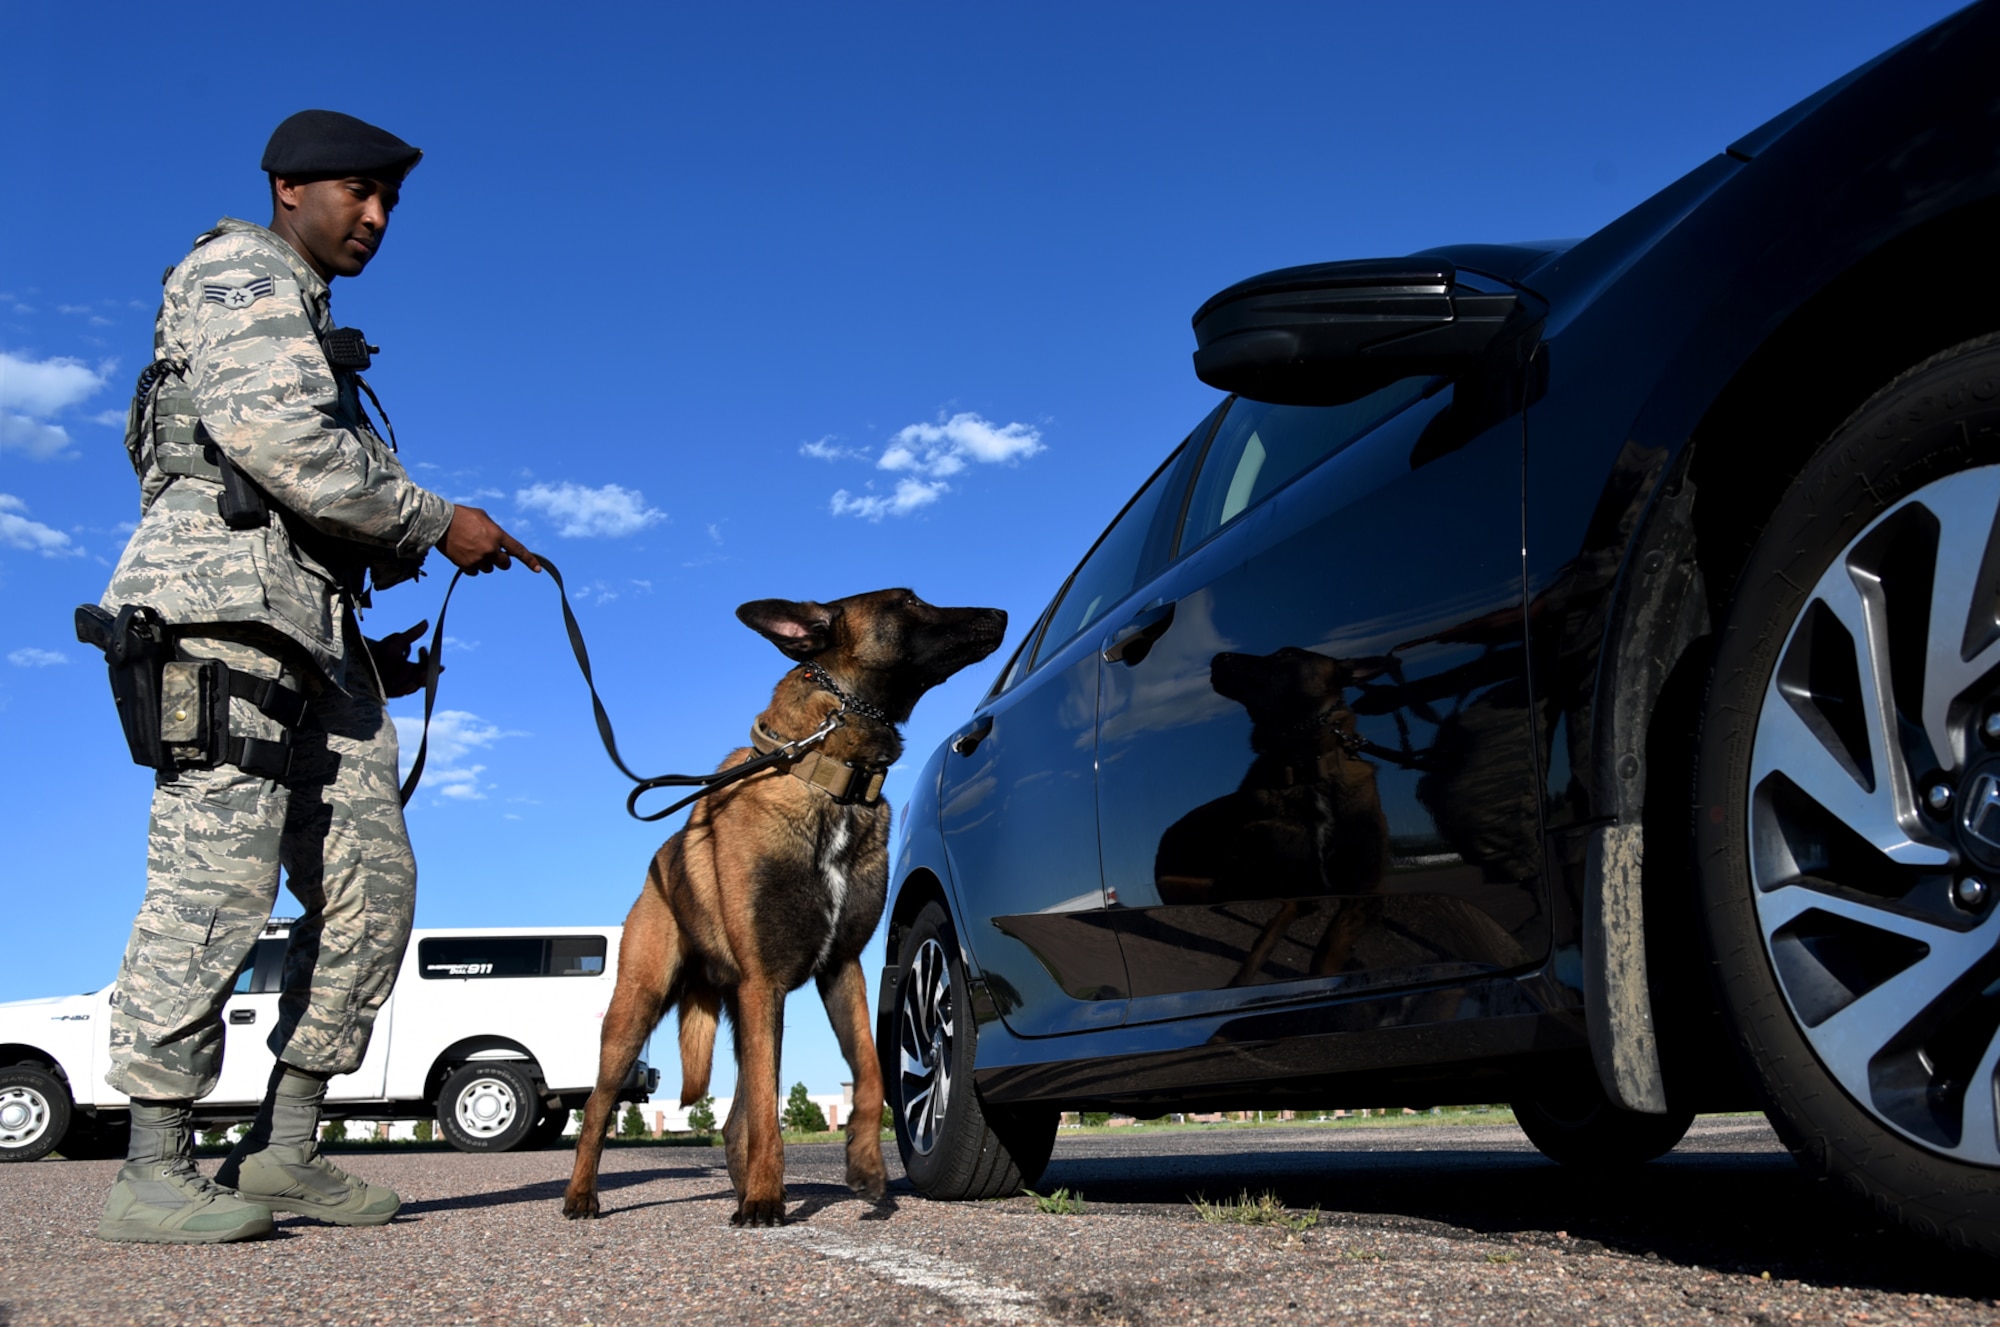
point(649, 962)
point(753, 1144)
point(845, 993)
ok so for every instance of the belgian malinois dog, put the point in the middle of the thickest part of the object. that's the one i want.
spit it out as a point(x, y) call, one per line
point(781, 877)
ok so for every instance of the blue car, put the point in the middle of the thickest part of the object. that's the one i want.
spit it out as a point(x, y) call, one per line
point(1561, 674)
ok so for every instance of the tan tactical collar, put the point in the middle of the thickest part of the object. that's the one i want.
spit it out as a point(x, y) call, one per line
point(848, 784)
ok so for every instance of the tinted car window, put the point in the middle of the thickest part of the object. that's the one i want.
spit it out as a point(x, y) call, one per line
point(1115, 565)
point(1259, 448)
point(1017, 667)
point(263, 968)
point(512, 956)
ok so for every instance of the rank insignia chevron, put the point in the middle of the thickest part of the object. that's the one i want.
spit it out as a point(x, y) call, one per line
point(239, 297)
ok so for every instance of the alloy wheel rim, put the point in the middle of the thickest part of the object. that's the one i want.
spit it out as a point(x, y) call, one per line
point(24, 1116)
point(1874, 817)
point(486, 1108)
point(925, 1031)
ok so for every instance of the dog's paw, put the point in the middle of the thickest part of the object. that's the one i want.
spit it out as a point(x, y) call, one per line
point(870, 1181)
point(580, 1206)
point(759, 1212)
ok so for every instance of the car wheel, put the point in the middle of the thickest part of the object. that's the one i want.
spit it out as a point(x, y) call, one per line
point(100, 1139)
point(1578, 1126)
point(953, 1146)
point(1847, 818)
point(34, 1112)
point(548, 1130)
point(488, 1106)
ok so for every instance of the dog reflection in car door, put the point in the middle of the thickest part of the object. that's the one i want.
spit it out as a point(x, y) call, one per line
point(1305, 825)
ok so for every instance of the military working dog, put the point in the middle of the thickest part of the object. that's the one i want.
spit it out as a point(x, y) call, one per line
point(780, 877)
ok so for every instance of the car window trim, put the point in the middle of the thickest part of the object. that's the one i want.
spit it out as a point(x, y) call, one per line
point(1049, 614)
point(1194, 473)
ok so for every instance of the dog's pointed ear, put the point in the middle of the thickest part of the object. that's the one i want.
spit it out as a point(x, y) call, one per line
point(801, 630)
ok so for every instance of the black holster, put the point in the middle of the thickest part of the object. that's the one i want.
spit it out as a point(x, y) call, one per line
point(175, 713)
point(240, 504)
point(136, 647)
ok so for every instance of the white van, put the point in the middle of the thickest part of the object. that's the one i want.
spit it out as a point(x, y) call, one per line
point(491, 1031)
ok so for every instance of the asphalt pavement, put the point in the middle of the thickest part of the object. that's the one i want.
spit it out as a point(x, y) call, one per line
point(1415, 1224)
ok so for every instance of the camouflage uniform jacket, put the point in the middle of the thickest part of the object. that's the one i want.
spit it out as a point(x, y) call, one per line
point(239, 335)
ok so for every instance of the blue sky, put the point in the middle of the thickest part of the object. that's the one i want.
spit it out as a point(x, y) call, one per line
point(745, 301)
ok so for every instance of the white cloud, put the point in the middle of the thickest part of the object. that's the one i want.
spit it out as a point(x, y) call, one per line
point(826, 450)
point(112, 418)
point(926, 455)
point(17, 531)
point(910, 494)
point(944, 448)
point(40, 441)
point(30, 657)
point(42, 387)
point(584, 513)
point(32, 390)
point(455, 734)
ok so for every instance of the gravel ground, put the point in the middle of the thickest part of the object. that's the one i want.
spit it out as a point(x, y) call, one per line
point(1442, 1225)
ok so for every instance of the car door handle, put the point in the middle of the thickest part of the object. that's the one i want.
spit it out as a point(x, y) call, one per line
point(1133, 641)
point(243, 1015)
point(968, 738)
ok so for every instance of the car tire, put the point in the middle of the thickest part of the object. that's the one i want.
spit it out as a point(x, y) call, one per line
point(1848, 902)
point(34, 1112)
point(1579, 1126)
point(101, 1139)
point(953, 1146)
point(548, 1130)
point(489, 1106)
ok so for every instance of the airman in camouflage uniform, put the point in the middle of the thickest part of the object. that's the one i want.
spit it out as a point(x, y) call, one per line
point(243, 379)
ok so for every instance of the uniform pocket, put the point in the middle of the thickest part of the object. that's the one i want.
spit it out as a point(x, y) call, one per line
point(163, 966)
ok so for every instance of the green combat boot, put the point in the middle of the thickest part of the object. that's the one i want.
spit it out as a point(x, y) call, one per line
point(299, 1179)
point(160, 1198)
point(278, 1163)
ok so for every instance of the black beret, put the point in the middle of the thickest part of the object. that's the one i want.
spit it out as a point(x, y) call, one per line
point(329, 143)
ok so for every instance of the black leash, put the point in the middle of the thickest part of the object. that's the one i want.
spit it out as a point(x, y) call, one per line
point(703, 784)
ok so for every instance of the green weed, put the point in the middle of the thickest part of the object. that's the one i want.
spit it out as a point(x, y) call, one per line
point(1263, 1210)
point(1060, 1203)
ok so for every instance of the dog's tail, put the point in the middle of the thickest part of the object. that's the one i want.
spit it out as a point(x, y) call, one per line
point(700, 1008)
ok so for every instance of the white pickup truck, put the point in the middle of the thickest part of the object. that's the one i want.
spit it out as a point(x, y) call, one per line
point(491, 1031)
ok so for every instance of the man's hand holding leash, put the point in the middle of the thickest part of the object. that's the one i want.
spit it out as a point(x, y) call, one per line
point(475, 542)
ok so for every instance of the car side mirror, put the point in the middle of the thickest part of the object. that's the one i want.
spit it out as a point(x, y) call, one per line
point(1329, 333)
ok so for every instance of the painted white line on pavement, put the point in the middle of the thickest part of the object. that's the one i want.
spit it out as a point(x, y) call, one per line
point(947, 1281)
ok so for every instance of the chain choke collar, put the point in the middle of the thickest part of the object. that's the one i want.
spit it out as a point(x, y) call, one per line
point(850, 704)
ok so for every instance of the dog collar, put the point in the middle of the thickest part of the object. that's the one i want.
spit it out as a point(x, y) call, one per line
point(824, 681)
point(848, 784)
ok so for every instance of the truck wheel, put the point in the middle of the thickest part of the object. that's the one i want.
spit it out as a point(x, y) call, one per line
point(953, 1146)
point(1577, 1125)
point(101, 1139)
point(34, 1112)
point(548, 1130)
point(1847, 817)
point(488, 1106)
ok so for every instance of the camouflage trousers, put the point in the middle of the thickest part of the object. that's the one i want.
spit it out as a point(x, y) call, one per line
point(219, 838)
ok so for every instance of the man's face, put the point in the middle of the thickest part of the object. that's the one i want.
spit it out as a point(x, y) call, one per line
point(336, 224)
